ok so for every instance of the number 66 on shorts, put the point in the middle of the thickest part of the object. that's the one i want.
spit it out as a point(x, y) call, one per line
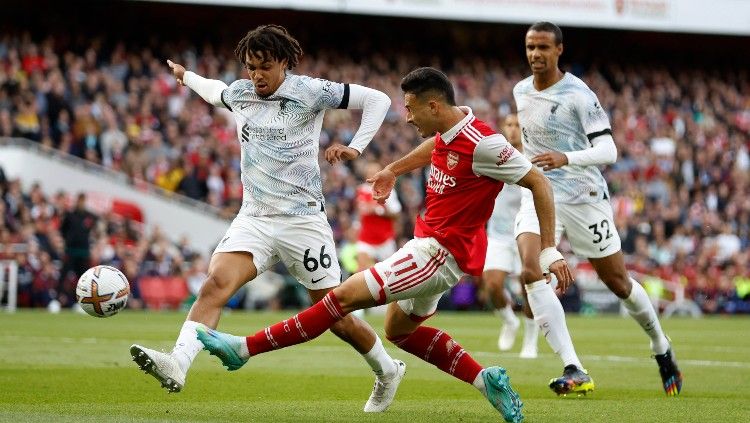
point(303, 243)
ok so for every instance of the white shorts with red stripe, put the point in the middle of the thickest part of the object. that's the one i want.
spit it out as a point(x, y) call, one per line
point(416, 276)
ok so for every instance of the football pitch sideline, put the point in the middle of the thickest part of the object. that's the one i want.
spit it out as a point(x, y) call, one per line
point(75, 368)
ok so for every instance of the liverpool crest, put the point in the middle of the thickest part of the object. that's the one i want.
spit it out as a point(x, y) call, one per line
point(452, 160)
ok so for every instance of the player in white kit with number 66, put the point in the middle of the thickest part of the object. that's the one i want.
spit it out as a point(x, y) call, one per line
point(279, 118)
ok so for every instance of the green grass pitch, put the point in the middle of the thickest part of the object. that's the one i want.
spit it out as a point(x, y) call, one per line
point(75, 368)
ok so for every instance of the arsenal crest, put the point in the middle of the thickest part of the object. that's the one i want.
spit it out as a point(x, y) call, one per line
point(452, 160)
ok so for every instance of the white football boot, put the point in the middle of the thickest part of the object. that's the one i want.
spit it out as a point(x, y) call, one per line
point(384, 390)
point(160, 365)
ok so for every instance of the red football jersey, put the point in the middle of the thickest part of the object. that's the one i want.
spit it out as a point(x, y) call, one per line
point(470, 162)
point(375, 229)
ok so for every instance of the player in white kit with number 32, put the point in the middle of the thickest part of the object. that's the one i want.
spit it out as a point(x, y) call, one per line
point(279, 118)
point(567, 133)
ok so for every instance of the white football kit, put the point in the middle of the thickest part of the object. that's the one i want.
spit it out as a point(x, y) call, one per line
point(502, 251)
point(283, 212)
point(566, 117)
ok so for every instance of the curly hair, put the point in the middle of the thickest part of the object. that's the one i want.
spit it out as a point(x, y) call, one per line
point(270, 42)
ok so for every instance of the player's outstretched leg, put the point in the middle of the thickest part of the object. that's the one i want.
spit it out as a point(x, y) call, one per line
point(501, 395)
point(162, 366)
point(671, 376)
point(234, 351)
point(573, 380)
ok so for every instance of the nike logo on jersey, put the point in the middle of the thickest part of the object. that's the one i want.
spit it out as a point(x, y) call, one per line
point(604, 248)
point(244, 106)
point(317, 280)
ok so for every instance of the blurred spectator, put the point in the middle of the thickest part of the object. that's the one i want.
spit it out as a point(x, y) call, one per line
point(76, 228)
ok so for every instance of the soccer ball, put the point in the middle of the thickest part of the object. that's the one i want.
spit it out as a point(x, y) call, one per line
point(102, 291)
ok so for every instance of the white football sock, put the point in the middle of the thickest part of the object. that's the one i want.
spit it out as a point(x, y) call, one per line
point(506, 313)
point(187, 345)
point(382, 363)
point(479, 383)
point(530, 332)
point(550, 317)
point(640, 308)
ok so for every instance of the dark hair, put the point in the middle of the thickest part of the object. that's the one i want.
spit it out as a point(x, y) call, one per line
point(422, 80)
point(273, 42)
point(548, 27)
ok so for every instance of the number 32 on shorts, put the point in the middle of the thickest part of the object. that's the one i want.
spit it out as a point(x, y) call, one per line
point(603, 234)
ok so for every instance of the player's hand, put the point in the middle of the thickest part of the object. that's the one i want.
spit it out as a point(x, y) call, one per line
point(177, 70)
point(338, 152)
point(563, 274)
point(551, 160)
point(382, 185)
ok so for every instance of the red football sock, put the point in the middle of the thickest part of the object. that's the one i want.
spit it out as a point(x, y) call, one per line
point(306, 325)
point(437, 347)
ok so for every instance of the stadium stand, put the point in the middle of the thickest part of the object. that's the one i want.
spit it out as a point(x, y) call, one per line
point(680, 188)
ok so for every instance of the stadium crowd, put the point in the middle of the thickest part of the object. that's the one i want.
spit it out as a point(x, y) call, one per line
point(680, 187)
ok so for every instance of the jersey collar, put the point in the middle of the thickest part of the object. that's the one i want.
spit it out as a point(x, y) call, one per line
point(283, 90)
point(452, 133)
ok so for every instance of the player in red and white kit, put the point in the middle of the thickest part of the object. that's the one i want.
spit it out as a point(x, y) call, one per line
point(470, 163)
point(377, 236)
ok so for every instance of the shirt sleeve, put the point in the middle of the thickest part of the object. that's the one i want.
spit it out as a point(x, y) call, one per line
point(494, 157)
point(328, 94)
point(210, 90)
point(593, 117)
point(374, 105)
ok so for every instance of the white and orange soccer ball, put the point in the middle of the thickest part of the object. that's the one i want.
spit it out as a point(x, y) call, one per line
point(102, 291)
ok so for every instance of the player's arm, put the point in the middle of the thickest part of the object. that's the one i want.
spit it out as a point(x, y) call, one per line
point(602, 151)
point(496, 158)
point(383, 181)
point(374, 105)
point(209, 89)
point(598, 130)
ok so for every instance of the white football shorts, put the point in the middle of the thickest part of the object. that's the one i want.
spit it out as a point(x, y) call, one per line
point(378, 252)
point(502, 254)
point(416, 276)
point(589, 227)
point(303, 243)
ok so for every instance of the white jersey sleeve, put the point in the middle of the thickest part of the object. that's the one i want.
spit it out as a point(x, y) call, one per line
point(496, 158)
point(593, 118)
point(323, 94)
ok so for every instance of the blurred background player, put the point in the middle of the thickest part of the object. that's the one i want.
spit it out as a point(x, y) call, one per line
point(503, 261)
point(279, 117)
point(376, 240)
point(567, 133)
point(377, 236)
point(469, 164)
